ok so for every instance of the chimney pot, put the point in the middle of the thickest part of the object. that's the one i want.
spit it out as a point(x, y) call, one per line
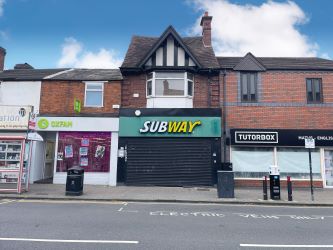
point(205, 23)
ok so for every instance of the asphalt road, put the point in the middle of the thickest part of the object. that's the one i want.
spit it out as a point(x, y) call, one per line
point(43, 225)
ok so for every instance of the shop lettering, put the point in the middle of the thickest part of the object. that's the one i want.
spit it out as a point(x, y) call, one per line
point(257, 137)
point(61, 124)
point(169, 127)
point(9, 118)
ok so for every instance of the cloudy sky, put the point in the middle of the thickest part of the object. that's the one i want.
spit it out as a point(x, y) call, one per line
point(96, 33)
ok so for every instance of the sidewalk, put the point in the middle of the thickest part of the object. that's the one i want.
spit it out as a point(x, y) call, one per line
point(302, 197)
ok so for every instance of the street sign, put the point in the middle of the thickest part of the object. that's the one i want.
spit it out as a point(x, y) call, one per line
point(309, 143)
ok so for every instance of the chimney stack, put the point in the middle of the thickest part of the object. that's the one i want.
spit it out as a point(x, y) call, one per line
point(206, 22)
point(2, 58)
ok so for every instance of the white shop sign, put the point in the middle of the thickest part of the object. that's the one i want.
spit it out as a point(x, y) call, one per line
point(14, 117)
point(77, 124)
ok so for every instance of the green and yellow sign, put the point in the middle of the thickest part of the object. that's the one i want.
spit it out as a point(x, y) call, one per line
point(170, 127)
point(44, 123)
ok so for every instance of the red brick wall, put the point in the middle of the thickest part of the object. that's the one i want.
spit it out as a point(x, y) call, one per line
point(57, 98)
point(205, 94)
point(282, 103)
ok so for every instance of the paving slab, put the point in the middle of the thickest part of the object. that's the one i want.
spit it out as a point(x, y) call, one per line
point(301, 196)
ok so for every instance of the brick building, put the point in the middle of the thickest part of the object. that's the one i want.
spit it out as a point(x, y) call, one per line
point(290, 98)
point(183, 112)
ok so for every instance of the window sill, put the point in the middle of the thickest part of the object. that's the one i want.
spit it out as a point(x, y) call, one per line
point(93, 106)
point(150, 97)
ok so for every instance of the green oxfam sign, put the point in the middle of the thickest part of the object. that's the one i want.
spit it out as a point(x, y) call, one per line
point(43, 123)
point(170, 126)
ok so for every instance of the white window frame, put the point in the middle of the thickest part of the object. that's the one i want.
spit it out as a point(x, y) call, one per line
point(153, 81)
point(92, 90)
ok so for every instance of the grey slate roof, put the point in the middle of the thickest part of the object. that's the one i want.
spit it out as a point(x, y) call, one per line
point(89, 75)
point(282, 63)
point(27, 74)
point(141, 45)
point(249, 63)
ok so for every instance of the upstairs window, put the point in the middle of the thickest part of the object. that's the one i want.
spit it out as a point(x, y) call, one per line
point(94, 94)
point(314, 90)
point(170, 84)
point(249, 87)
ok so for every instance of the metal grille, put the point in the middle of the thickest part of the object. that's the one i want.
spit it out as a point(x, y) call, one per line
point(169, 162)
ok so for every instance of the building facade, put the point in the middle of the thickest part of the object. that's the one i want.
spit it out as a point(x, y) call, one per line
point(289, 99)
point(175, 113)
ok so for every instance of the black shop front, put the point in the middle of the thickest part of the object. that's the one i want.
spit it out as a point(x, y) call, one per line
point(169, 147)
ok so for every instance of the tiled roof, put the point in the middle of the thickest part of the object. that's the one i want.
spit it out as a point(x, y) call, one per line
point(282, 63)
point(141, 45)
point(89, 75)
point(249, 63)
point(27, 74)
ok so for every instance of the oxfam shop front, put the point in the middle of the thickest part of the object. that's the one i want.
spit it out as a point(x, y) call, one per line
point(169, 147)
point(88, 142)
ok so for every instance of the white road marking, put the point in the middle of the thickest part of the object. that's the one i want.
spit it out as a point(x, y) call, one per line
point(5, 201)
point(73, 202)
point(72, 241)
point(285, 246)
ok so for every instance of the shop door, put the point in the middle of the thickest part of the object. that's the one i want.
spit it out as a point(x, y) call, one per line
point(49, 160)
point(329, 168)
point(169, 162)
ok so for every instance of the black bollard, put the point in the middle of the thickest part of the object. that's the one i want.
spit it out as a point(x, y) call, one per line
point(290, 190)
point(264, 187)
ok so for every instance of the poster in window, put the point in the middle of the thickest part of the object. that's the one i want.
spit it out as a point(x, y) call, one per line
point(69, 151)
point(99, 151)
point(60, 156)
point(85, 142)
point(84, 161)
point(83, 151)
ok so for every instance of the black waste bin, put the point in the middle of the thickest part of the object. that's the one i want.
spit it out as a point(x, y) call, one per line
point(74, 182)
point(225, 184)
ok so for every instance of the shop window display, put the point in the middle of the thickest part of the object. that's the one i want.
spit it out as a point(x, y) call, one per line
point(252, 162)
point(294, 162)
point(89, 150)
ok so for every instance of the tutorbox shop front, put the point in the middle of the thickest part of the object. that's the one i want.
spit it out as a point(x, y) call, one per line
point(87, 142)
point(169, 147)
point(254, 150)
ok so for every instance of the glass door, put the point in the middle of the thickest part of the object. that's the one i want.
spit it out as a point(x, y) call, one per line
point(328, 168)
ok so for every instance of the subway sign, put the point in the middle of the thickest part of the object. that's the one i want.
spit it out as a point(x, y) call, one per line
point(169, 126)
point(172, 126)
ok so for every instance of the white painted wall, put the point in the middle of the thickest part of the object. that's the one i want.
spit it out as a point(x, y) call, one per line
point(21, 93)
point(37, 161)
point(170, 52)
point(181, 57)
point(159, 57)
point(170, 102)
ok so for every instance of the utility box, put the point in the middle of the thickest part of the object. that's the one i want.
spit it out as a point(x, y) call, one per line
point(74, 182)
point(274, 183)
point(225, 184)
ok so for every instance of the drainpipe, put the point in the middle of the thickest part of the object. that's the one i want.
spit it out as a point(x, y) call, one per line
point(224, 116)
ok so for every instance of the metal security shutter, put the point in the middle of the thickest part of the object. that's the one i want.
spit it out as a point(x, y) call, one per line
point(169, 162)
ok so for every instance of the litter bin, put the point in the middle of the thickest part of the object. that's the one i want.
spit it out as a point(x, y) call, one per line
point(74, 182)
point(225, 184)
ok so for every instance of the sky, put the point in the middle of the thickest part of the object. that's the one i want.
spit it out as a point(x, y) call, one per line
point(96, 33)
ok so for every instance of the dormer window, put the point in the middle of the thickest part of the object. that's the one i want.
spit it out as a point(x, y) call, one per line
point(170, 84)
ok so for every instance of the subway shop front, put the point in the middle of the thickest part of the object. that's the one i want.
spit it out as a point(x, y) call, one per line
point(169, 147)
